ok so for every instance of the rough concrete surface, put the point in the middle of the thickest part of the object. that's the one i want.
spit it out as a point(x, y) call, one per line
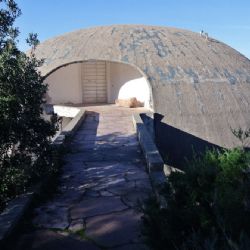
point(200, 86)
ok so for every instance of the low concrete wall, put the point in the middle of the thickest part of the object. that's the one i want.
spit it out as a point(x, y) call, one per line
point(64, 85)
point(78, 115)
point(66, 110)
point(11, 216)
point(155, 164)
point(148, 121)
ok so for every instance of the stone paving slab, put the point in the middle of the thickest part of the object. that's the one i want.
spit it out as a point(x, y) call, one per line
point(101, 155)
point(90, 207)
point(103, 179)
point(114, 229)
point(50, 240)
point(135, 198)
point(102, 146)
point(51, 216)
point(132, 247)
point(118, 188)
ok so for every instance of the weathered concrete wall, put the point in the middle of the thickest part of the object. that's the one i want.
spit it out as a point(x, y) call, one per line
point(123, 81)
point(201, 87)
point(64, 85)
point(126, 82)
point(65, 111)
point(208, 111)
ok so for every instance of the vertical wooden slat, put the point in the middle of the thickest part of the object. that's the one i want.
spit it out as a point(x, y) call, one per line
point(94, 82)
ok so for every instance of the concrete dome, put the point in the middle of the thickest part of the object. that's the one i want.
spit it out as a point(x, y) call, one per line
point(200, 86)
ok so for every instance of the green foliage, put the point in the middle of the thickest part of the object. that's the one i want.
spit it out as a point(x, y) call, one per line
point(25, 150)
point(8, 13)
point(32, 40)
point(208, 205)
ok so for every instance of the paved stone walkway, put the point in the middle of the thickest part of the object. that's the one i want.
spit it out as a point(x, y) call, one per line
point(102, 181)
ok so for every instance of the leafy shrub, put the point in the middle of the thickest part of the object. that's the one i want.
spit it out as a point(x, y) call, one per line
point(208, 205)
point(25, 149)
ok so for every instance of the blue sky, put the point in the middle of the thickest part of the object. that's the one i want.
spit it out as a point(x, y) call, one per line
point(226, 20)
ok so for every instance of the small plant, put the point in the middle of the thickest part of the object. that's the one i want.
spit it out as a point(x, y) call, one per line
point(208, 205)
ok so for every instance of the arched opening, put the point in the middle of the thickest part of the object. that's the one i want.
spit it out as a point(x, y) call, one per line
point(97, 82)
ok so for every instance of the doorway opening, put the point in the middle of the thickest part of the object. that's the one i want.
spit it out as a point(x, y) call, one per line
point(97, 82)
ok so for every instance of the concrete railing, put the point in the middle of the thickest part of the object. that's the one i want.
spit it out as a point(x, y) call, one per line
point(155, 164)
point(78, 115)
point(66, 111)
point(12, 214)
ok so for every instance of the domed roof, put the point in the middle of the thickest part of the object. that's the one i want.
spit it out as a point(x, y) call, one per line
point(201, 86)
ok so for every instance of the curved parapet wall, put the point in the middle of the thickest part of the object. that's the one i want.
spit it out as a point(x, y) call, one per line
point(200, 86)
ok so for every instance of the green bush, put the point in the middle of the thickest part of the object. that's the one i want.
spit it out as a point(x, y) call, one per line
point(25, 137)
point(208, 205)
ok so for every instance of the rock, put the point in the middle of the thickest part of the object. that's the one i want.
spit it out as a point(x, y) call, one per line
point(129, 103)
